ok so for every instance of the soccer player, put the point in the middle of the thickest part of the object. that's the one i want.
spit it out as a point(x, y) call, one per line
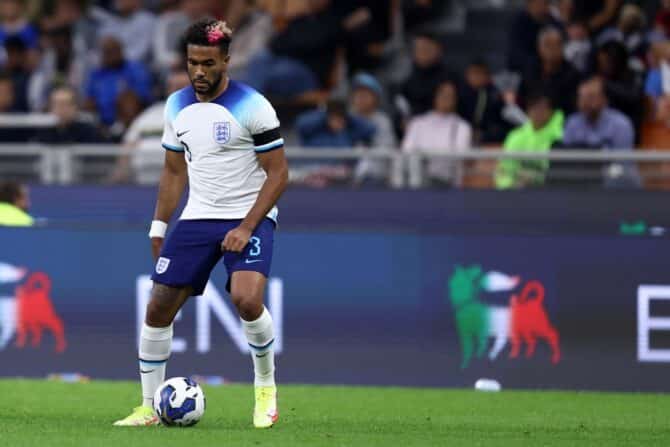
point(223, 138)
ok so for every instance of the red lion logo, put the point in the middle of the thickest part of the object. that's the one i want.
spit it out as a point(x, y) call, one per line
point(35, 312)
point(530, 322)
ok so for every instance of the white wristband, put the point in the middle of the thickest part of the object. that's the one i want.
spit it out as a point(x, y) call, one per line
point(158, 229)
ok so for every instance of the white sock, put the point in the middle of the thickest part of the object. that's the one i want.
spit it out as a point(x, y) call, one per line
point(155, 345)
point(260, 335)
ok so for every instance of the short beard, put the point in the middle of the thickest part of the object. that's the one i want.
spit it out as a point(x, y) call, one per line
point(214, 86)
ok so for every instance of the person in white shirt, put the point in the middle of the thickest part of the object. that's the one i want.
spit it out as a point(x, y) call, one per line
point(440, 131)
point(141, 159)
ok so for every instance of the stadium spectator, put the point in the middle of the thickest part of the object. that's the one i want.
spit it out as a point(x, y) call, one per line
point(654, 85)
point(598, 14)
point(552, 73)
point(660, 61)
point(170, 26)
point(578, 46)
point(63, 13)
point(597, 126)
point(632, 33)
point(10, 134)
point(301, 54)
point(440, 131)
point(366, 102)
point(115, 75)
point(69, 127)
point(70, 30)
point(623, 86)
point(253, 29)
point(133, 27)
point(656, 131)
point(333, 127)
point(366, 29)
point(14, 205)
point(142, 140)
point(128, 108)
point(14, 23)
point(563, 12)
point(543, 129)
point(428, 71)
point(657, 80)
point(58, 65)
point(662, 19)
point(524, 32)
point(18, 66)
point(481, 104)
point(7, 91)
point(366, 99)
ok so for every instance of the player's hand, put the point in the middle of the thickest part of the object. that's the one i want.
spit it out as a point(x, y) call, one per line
point(236, 240)
point(156, 246)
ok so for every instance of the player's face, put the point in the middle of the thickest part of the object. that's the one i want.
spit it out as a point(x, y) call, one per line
point(206, 67)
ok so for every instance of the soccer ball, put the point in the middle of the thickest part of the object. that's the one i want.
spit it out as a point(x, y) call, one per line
point(179, 401)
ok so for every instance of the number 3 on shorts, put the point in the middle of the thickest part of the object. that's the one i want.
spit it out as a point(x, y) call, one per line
point(255, 246)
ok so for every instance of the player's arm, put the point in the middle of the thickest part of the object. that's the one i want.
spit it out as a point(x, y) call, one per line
point(172, 183)
point(276, 167)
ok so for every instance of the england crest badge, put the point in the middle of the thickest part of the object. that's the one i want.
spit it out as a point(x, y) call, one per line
point(222, 132)
point(162, 265)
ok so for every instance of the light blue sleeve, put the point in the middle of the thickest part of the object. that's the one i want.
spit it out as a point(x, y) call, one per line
point(263, 124)
point(170, 141)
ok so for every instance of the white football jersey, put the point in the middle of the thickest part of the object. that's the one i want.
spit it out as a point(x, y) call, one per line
point(220, 140)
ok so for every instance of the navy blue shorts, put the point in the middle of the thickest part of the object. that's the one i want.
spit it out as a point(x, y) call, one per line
point(193, 249)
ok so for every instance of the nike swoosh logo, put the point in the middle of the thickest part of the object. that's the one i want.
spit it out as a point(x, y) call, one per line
point(183, 133)
point(249, 261)
point(261, 356)
point(147, 372)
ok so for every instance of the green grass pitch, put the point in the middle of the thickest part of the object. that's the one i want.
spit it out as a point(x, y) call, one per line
point(40, 413)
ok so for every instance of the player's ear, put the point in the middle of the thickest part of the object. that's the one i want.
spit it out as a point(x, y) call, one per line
point(226, 60)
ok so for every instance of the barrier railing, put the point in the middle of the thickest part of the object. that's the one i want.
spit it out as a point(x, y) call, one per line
point(93, 163)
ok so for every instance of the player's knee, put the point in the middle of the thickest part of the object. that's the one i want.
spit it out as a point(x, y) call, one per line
point(248, 306)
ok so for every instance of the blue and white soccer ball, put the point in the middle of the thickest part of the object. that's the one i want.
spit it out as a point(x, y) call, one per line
point(179, 401)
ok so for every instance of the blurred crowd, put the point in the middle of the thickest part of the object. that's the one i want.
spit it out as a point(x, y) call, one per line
point(580, 74)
